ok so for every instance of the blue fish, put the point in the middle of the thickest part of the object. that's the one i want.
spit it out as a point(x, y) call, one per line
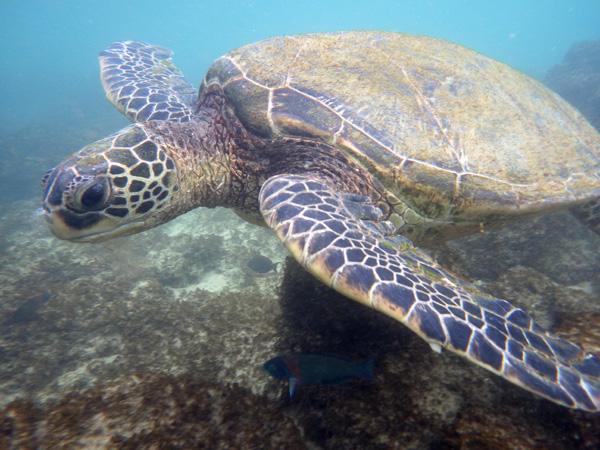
point(261, 264)
point(323, 368)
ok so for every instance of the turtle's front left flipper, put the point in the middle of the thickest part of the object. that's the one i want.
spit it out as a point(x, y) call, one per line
point(338, 239)
point(141, 81)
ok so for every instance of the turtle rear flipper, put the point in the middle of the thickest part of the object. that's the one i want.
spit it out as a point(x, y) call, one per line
point(356, 258)
point(589, 214)
point(141, 81)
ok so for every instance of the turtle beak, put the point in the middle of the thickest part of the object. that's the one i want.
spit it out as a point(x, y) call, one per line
point(69, 225)
point(64, 223)
point(92, 227)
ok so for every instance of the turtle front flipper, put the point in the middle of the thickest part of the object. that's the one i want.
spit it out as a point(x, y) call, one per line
point(339, 240)
point(141, 81)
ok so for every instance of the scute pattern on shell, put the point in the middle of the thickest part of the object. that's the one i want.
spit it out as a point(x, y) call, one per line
point(456, 134)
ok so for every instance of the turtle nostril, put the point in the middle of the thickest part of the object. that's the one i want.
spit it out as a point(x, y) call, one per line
point(46, 177)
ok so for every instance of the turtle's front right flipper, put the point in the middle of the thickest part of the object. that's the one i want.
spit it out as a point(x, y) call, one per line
point(339, 240)
point(141, 81)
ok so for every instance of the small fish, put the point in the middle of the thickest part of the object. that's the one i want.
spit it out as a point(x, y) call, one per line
point(324, 368)
point(28, 310)
point(262, 264)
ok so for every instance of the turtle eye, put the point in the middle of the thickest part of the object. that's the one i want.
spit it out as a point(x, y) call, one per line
point(93, 196)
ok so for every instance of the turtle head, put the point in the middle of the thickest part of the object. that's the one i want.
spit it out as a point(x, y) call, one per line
point(119, 185)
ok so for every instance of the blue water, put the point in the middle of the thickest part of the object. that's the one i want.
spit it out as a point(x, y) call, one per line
point(53, 104)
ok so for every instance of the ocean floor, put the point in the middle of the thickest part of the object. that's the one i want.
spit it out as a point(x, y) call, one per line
point(156, 340)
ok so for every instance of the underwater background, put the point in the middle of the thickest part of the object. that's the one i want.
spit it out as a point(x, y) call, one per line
point(156, 340)
point(50, 84)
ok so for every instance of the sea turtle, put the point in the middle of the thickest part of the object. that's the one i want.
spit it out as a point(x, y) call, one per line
point(353, 147)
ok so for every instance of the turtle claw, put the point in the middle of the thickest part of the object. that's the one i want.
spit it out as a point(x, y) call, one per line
point(356, 198)
point(338, 240)
point(359, 206)
point(435, 347)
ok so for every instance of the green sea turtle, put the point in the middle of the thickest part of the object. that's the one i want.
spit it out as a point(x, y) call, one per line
point(353, 147)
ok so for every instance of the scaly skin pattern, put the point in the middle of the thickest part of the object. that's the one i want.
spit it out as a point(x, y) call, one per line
point(341, 242)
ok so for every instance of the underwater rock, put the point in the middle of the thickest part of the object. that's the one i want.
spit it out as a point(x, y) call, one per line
point(27, 312)
point(150, 412)
point(577, 79)
point(581, 327)
point(557, 245)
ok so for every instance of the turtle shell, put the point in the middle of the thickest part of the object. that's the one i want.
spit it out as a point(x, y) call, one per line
point(454, 134)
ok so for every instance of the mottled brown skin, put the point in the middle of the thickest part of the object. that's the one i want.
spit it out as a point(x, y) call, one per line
point(222, 164)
